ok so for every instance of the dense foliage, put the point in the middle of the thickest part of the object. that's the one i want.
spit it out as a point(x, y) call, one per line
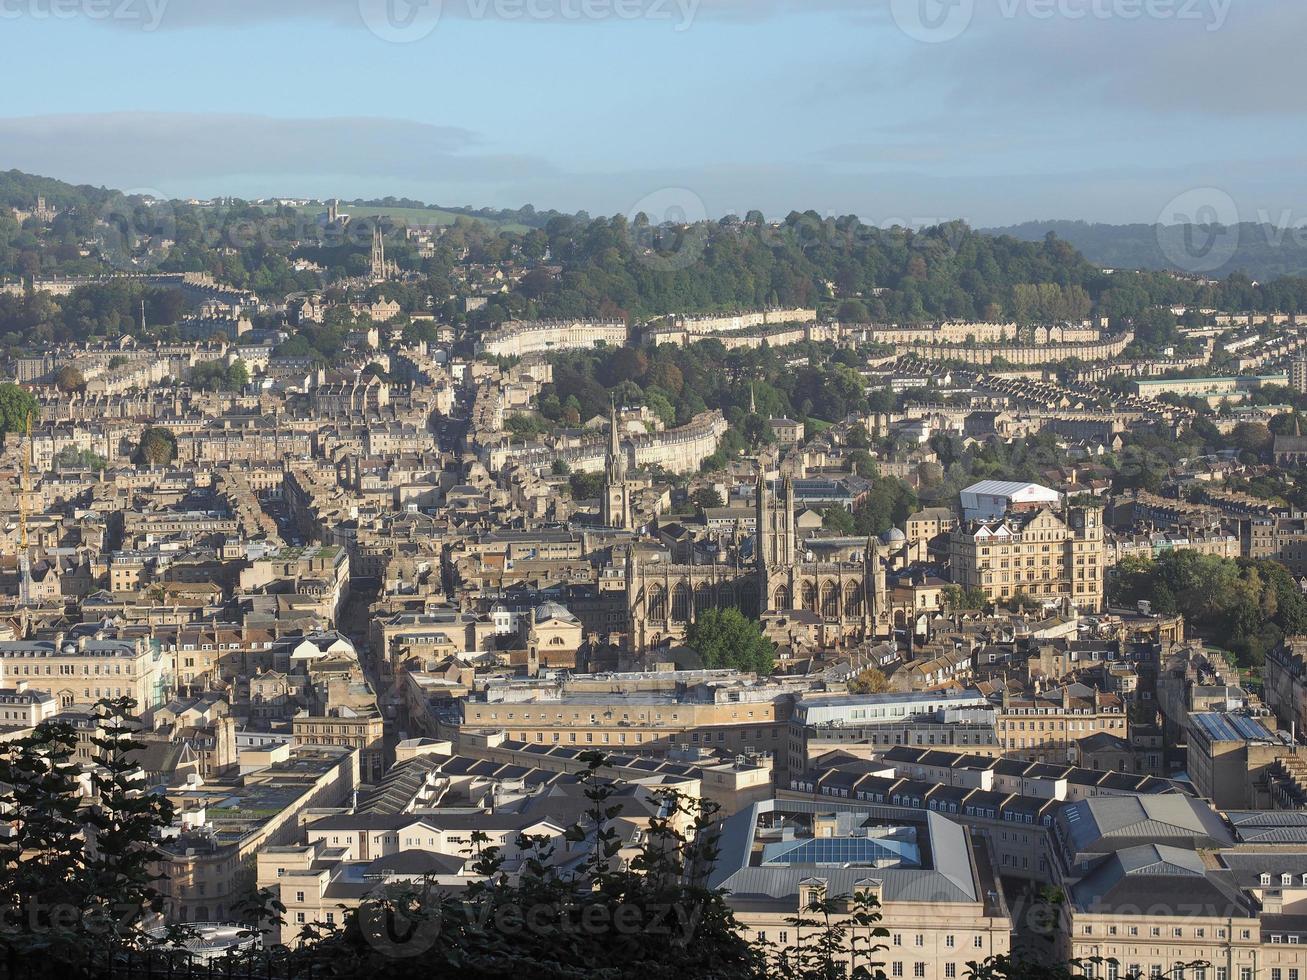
point(1244, 605)
point(1258, 250)
point(76, 875)
point(17, 406)
point(578, 266)
point(725, 638)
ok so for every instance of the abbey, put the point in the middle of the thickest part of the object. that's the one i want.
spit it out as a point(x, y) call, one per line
point(841, 581)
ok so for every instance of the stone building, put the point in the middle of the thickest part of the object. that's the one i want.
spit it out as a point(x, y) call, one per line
point(850, 596)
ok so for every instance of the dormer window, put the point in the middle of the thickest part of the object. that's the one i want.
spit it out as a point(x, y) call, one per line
point(1266, 879)
point(1286, 879)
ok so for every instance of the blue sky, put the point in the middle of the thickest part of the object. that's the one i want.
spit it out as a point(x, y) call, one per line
point(897, 110)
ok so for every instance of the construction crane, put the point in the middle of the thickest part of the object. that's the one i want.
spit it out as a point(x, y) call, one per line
point(24, 559)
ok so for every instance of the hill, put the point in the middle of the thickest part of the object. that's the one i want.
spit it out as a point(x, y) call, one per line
point(1260, 251)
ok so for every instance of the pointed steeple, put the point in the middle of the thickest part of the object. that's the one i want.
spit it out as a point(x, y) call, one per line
point(753, 402)
point(616, 457)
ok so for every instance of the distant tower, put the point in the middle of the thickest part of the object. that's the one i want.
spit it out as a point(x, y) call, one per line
point(378, 253)
point(753, 403)
point(616, 507)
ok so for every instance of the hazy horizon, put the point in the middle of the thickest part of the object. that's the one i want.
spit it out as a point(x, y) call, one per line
point(996, 112)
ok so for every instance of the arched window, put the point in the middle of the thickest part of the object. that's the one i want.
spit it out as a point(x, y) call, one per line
point(704, 598)
point(657, 603)
point(809, 596)
point(853, 599)
point(781, 600)
point(681, 603)
point(830, 601)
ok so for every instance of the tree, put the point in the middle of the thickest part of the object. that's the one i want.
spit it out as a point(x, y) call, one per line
point(956, 597)
point(706, 498)
point(724, 638)
point(158, 447)
point(837, 519)
point(68, 379)
point(853, 311)
point(889, 504)
point(66, 852)
point(870, 681)
point(1251, 436)
point(586, 486)
point(16, 405)
point(71, 458)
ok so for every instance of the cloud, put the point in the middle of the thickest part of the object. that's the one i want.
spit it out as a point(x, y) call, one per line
point(134, 150)
point(1199, 57)
point(186, 14)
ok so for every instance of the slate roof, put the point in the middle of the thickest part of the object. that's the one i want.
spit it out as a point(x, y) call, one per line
point(1112, 823)
point(1152, 876)
point(948, 877)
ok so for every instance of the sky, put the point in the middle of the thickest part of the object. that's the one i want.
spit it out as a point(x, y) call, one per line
point(899, 111)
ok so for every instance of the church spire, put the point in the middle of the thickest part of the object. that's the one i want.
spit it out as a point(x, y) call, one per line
point(616, 457)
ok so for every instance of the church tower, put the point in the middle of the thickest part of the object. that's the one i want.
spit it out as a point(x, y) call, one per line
point(777, 539)
point(616, 510)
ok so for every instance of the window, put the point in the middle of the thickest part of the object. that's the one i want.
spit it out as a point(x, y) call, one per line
point(918, 969)
point(948, 942)
point(897, 970)
point(978, 942)
point(950, 970)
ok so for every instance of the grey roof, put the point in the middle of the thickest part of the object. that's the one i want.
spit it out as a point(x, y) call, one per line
point(949, 876)
point(1111, 823)
point(1248, 867)
point(1152, 876)
point(1269, 827)
point(417, 862)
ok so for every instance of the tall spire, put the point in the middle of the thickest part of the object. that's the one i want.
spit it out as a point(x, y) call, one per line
point(616, 457)
point(753, 402)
